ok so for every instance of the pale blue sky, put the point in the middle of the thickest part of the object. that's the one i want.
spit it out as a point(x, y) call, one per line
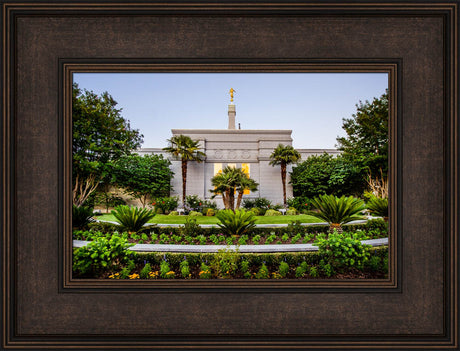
point(311, 104)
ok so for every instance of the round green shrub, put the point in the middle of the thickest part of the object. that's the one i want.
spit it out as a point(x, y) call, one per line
point(291, 212)
point(195, 214)
point(272, 213)
point(173, 213)
point(255, 210)
point(159, 211)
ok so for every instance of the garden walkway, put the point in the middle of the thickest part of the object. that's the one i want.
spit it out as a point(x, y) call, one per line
point(241, 248)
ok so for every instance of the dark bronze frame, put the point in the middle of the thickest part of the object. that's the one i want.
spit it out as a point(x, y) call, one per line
point(42, 307)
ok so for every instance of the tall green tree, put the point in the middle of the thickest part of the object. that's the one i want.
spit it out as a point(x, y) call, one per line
point(327, 174)
point(284, 155)
point(144, 177)
point(185, 149)
point(366, 143)
point(100, 135)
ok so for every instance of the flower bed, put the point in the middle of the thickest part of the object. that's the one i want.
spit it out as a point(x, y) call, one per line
point(233, 265)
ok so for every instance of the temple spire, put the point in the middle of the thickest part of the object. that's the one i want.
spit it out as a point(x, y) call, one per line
point(231, 111)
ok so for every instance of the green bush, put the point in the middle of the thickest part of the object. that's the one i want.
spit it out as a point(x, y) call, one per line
point(189, 228)
point(194, 203)
point(102, 254)
point(205, 271)
point(185, 269)
point(272, 213)
point(104, 227)
point(144, 274)
point(337, 211)
point(225, 263)
point(165, 270)
point(300, 203)
point(195, 214)
point(343, 250)
point(107, 200)
point(165, 204)
point(283, 269)
point(327, 174)
point(263, 272)
point(255, 210)
point(173, 213)
point(132, 219)
point(378, 206)
point(261, 203)
point(81, 216)
point(235, 223)
point(291, 212)
point(210, 212)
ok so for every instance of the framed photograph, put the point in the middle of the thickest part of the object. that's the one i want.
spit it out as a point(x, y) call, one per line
point(58, 292)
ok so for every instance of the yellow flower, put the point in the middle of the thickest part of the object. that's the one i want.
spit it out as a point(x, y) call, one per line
point(114, 276)
point(153, 274)
point(134, 276)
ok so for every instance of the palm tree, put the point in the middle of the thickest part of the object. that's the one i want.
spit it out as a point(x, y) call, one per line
point(378, 206)
point(284, 155)
point(223, 185)
point(185, 149)
point(337, 211)
point(229, 182)
point(245, 183)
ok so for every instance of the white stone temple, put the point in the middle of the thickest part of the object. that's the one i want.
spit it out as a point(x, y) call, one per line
point(249, 149)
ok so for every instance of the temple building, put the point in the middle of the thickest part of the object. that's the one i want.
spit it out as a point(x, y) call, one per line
point(249, 149)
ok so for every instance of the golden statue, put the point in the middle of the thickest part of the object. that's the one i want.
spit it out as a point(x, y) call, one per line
point(231, 94)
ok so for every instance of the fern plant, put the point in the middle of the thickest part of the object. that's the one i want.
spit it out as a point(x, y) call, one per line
point(236, 223)
point(378, 206)
point(132, 219)
point(81, 216)
point(337, 211)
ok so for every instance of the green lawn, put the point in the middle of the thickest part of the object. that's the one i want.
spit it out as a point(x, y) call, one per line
point(163, 219)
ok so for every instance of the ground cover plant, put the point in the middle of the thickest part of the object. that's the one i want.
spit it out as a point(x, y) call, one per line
point(192, 234)
point(228, 264)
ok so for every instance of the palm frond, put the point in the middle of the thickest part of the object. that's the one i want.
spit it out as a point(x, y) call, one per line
point(335, 210)
point(132, 219)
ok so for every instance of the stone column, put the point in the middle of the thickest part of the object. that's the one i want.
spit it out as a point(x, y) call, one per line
point(231, 116)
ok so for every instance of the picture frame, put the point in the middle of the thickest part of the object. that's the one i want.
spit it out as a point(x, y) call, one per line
point(44, 42)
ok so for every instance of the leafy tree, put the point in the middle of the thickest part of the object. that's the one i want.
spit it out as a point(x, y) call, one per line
point(230, 182)
point(284, 155)
point(185, 149)
point(326, 174)
point(100, 135)
point(143, 177)
point(366, 143)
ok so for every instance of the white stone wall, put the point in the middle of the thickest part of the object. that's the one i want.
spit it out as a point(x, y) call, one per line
point(236, 146)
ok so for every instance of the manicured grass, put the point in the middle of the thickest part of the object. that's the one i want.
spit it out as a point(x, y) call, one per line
point(163, 219)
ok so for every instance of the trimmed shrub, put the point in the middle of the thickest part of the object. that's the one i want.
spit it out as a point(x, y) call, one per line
point(273, 213)
point(291, 212)
point(195, 214)
point(173, 213)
